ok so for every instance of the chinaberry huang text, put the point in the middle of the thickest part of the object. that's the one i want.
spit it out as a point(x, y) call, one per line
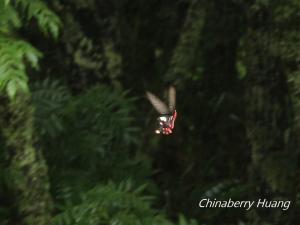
point(247, 205)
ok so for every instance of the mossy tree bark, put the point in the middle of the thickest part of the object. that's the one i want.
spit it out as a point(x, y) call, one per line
point(269, 115)
point(183, 63)
point(223, 28)
point(222, 108)
point(28, 169)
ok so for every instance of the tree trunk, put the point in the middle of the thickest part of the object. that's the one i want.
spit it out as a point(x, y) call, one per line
point(269, 117)
point(221, 121)
point(182, 64)
point(28, 168)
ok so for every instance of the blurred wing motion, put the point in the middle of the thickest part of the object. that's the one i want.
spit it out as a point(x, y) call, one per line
point(159, 105)
point(172, 99)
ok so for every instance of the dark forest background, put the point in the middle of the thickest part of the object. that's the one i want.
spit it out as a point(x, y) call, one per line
point(77, 143)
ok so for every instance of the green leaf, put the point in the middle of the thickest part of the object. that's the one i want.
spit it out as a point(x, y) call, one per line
point(33, 56)
point(12, 88)
point(241, 69)
point(13, 53)
point(48, 21)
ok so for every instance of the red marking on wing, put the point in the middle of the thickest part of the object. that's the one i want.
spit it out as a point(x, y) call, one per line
point(173, 120)
point(167, 131)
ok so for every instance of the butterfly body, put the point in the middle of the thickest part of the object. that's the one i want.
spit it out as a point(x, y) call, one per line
point(166, 123)
point(168, 114)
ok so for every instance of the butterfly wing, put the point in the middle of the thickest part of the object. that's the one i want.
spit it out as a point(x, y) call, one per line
point(159, 105)
point(172, 98)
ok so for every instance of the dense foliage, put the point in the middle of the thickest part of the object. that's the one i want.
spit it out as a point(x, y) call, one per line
point(76, 131)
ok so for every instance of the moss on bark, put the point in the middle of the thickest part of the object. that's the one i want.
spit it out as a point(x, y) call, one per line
point(28, 169)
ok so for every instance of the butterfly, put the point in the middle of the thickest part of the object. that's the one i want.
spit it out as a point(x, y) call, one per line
point(168, 114)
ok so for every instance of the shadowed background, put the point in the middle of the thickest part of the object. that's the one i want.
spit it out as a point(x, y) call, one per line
point(77, 141)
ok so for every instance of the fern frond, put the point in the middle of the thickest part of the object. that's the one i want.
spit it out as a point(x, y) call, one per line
point(113, 204)
point(9, 17)
point(98, 128)
point(49, 98)
point(105, 113)
point(13, 56)
point(48, 21)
